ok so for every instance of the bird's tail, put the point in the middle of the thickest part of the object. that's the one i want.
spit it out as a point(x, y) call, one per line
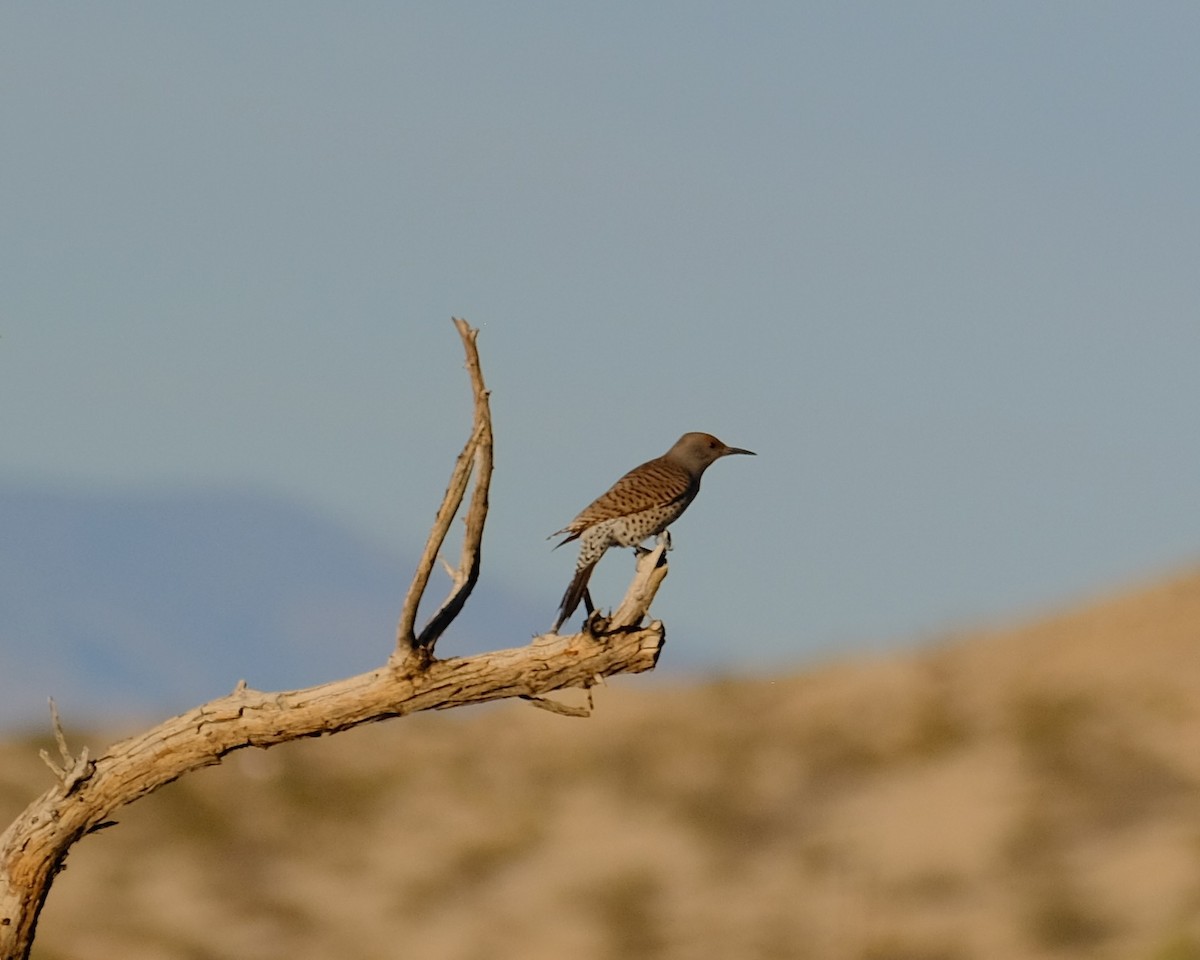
point(575, 592)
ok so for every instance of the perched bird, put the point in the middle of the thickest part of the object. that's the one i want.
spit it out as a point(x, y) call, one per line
point(642, 504)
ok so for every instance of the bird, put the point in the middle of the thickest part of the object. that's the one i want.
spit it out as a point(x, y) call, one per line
point(642, 504)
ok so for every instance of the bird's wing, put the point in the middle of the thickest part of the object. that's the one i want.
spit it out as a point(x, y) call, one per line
point(657, 483)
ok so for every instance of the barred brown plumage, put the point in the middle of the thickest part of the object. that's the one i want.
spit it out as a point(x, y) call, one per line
point(642, 504)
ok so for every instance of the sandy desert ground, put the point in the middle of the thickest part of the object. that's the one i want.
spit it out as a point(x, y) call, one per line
point(1029, 792)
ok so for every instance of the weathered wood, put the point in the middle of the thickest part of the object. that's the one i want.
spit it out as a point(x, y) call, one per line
point(476, 457)
point(34, 847)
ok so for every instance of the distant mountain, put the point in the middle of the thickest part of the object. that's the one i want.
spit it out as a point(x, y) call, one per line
point(121, 605)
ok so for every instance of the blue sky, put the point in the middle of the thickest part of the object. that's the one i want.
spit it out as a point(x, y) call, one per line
point(936, 263)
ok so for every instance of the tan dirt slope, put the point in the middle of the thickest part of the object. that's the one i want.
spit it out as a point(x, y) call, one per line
point(1022, 793)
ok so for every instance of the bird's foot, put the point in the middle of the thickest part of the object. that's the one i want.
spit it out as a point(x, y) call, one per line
point(596, 625)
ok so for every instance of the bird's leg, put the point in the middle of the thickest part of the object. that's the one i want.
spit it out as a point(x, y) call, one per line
point(663, 539)
point(587, 601)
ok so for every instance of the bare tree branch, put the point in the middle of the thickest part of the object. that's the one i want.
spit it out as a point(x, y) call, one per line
point(34, 847)
point(468, 568)
point(651, 571)
point(476, 455)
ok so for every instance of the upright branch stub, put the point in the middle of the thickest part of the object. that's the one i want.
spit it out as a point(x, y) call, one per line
point(475, 459)
point(74, 769)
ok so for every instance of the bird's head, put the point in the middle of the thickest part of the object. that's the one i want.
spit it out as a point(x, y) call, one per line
point(697, 450)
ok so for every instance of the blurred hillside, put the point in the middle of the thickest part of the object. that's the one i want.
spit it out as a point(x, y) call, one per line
point(1030, 792)
point(149, 602)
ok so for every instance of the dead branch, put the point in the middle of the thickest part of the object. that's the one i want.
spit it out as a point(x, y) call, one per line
point(476, 455)
point(34, 847)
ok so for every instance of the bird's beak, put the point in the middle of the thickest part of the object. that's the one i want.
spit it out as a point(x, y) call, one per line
point(728, 450)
